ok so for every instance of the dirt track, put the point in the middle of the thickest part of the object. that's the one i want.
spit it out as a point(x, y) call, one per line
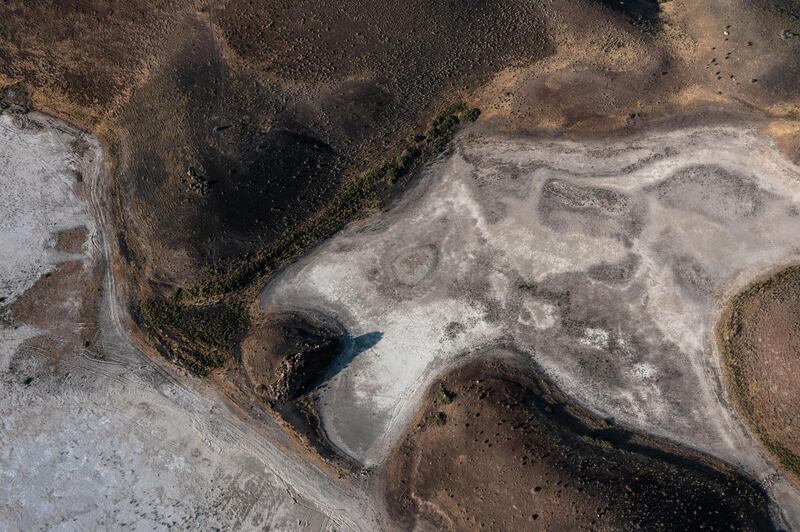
point(106, 419)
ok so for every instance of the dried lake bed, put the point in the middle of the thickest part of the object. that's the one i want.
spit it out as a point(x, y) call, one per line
point(605, 263)
point(98, 436)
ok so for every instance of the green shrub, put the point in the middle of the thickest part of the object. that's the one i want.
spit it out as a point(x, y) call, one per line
point(443, 396)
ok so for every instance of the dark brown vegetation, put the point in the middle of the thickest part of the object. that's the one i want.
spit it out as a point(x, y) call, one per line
point(232, 124)
point(760, 342)
point(201, 326)
point(72, 240)
point(497, 447)
point(239, 134)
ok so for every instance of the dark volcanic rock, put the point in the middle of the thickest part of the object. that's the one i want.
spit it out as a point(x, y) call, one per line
point(288, 355)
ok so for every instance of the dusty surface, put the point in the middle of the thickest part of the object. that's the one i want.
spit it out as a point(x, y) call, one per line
point(95, 435)
point(287, 355)
point(599, 260)
point(110, 440)
point(761, 341)
point(39, 178)
point(495, 448)
point(44, 275)
point(605, 75)
point(229, 126)
point(230, 123)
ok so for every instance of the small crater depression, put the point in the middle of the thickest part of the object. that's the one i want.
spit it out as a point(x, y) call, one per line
point(713, 192)
point(412, 266)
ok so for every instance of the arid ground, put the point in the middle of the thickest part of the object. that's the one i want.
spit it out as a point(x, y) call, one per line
point(495, 449)
point(759, 339)
point(399, 265)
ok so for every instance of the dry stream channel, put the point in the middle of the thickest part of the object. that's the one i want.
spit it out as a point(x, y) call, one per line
point(605, 263)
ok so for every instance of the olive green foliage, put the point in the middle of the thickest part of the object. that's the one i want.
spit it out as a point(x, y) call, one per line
point(201, 338)
point(438, 419)
point(444, 396)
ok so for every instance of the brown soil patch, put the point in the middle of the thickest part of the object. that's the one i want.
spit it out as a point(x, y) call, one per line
point(285, 356)
point(607, 75)
point(760, 338)
point(54, 298)
point(62, 303)
point(786, 134)
point(496, 447)
point(72, 240)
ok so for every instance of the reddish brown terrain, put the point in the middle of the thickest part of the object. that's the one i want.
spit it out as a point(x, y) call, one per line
point(497, 447)
point(760, 337)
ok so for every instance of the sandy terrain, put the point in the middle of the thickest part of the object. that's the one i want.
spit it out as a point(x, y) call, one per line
point(603, 261)
point(101, 437)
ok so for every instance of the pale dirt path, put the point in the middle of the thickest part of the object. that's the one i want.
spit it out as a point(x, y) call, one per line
point(111, 438)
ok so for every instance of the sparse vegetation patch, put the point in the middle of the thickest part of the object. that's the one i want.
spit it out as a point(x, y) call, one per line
point(200, 326)
point(758, 335)
point(200, 338)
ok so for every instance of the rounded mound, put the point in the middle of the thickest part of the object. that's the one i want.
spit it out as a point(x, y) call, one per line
point(760, 341)
point(412, 266)
point(289, 353)
point(495, 447)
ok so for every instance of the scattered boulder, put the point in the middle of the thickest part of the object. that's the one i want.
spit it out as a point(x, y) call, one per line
point(15, 98)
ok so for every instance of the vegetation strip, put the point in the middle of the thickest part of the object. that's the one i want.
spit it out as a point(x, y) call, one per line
point(200, 326)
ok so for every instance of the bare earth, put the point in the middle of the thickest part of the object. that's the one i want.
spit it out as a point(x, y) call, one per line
point(605, 262)
point(192, 336)
point(760, 335)
point(497, 449)
point(95, 435)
